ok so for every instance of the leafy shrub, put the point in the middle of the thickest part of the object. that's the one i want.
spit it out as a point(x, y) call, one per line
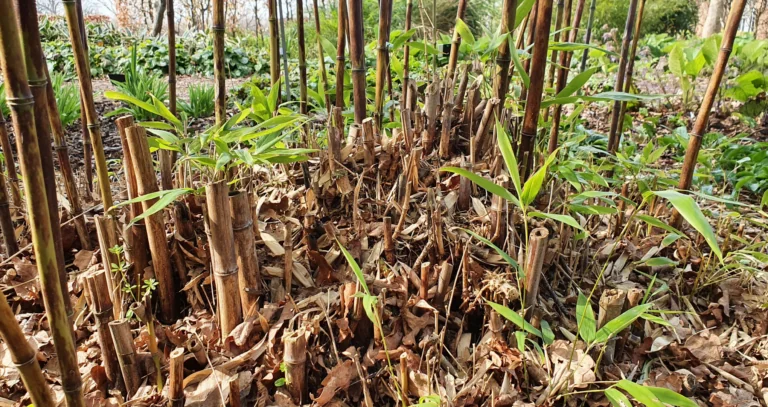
point(201, 101)
point(67, 99)
point(661, 16)
point(141, 86)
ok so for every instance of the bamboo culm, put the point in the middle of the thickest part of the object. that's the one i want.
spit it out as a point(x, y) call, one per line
point(218, 61)
point(588, 36)
point(21, 104)
point(357, 57)
point(274, 47)
point(6, 222)
point(321, 57)
point(382, 66)
point(631, 61)
point(9, 154)
point(614, 137)
point(702, 119)
point(501, 85)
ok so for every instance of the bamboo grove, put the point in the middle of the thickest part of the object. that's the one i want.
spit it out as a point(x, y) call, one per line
point(389, 135)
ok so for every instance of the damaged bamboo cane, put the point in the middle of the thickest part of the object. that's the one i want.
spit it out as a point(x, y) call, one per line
point(126, 355)
point(534, 263)
point(102, 306)
point(295, 358)
point(223, 259)
point(19, 100)
point(176, 378)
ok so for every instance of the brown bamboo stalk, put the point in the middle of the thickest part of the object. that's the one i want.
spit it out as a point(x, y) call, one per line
point(6, 222)
point(631, 62)
point(389, 244)
point(274, 41)
point(611, 305)
point(562, 78)
point(295, 358)
point(534, 262)
point(196, 348)
point(234, 393)
point(357, 57)
point(62, 153)
point(176, 379)
point(249, 276)
point(102, 306)
point(456, 40)
point(223, 259)
point(86, 90)
point(382, 65)
point(614, 136)
point(445, 133)
point(588, 36)
point(38, 81)
point(533, 102)
point(146, 183)
point(126, 355)
point(218, 61)
point(288, 258)
point(530, 40)
point(302, 57)
point(8, 153)
point(171, 56)
point(106, 229)
point(21, 103)
point(137, 245)
point(702, 119)
point(321, 57)
point(465, 188)
point(406, 57)
point(340, 59)
point(563, 14)
point(431, 105)
point(87, 148)
point(479, 140)
point(503, 59)
point(24, 357)
point(369, 142)
point(404, 378)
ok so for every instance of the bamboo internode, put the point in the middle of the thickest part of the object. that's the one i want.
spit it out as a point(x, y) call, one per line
point(614, 137)
point(218, 62)
point(341, 44)
point(357, 57)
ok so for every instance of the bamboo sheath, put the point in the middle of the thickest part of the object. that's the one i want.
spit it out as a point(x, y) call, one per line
point(21, 103)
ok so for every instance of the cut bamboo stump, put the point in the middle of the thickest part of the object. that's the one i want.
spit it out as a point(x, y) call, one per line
point(126, 355)
point(611, 306)
point(146, 183)
point(103, 311)
point(223, 258)
point(537, 250)
point(106, 230)
point(24, 357)
point(295, 358)
point(249, 276)
point(176, 378)
point(196, 349)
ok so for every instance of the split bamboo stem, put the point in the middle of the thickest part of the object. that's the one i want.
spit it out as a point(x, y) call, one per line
point(249, 276)
point(9, 154)
point(700, 126)
point(302, 57)
point(534, 262)
point(38, 81)
point(445, 133)
point(631, 62)
point(369, 142)
point(611, 305)
point(126, 355)
point(106, 229)
point(357, 57)
point(406, 58)
point(614, 137)
point(136, 243)
point(24, 357)
point(533, 102)
point(562, 78)
point(176, 378)
point(102, 305)
point(295, 358)
point(382, 65)
point(501, 84)
point(223, 258)
point(146, 183)
point(588, 36)
point(62, 153)
point(6, 222)
point(455, 41)
point(21, 103)
point(218, 61)
point(321, 57)
point(274, 47)
point(86, 91)
point(341, 43)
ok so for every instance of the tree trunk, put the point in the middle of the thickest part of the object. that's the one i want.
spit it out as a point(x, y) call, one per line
point(159, 14)
point(761, 29)
point(714, 22)
point(702, 16)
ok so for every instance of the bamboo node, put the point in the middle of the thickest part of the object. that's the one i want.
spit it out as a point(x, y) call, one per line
point(359, 70)
point(217, 28)
point(61, 147)
point(38, 83)
point(101, 315)
point(27, 363)
point(5, 205)
point(247, 225)
point(226, 273)
point(96, 125)
point(25, 101)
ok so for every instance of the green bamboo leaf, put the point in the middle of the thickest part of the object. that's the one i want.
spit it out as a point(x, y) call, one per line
point(639, 393)
point(165, 199)
point(585, 319)
point(519, 68)
point(546, 331)
point(509, 156)
point(691, 212)
point(164, 112)
point(659, 224)
point(110, 94)
point(515, 318)
point(490, 244)
point(484, 183)
point(618, 324)
point(617, 398)
point(670, 397)
point(659, 261)
point(355, 267)
point(466, 34)
point(567, 219)
point(536, 181)
point(576, 83)
point(523, 9)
